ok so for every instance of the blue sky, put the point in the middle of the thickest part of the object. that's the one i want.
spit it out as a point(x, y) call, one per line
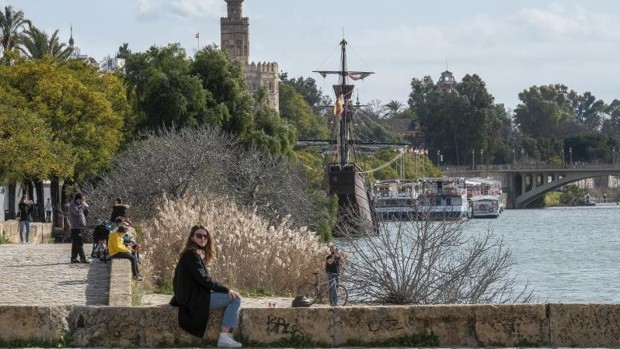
point(512, 45)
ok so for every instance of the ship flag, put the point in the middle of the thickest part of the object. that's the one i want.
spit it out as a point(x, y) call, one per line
point(338, 108)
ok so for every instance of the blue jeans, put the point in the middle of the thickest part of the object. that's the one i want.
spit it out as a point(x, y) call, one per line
point(23, 224)
point(230, 306)
point(334, 281)
point(132, 259)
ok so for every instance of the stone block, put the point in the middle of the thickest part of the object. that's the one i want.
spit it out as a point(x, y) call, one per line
point(120, 283)
point(512, 325)
point(453, 325)
point(19, 323)
point(354, 325)
point(269, 325)
point(11, 231)
point(107, 327)
point(40, 233)
point(134, 327)
point(162, 328)
point(585, 325)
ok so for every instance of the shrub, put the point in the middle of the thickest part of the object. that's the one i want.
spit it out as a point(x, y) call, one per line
point(429, 262)
point(206, 160)
point(251, 253)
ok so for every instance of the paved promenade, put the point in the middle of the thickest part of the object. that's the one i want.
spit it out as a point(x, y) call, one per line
point(40, 274)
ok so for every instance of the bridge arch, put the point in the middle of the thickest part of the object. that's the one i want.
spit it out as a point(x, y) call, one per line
point(525, 186)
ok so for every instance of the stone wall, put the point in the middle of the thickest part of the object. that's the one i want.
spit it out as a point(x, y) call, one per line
point(563, 325)
point(39, 232)
point(120, 283)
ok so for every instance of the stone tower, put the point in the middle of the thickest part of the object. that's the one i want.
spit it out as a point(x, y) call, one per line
point(447, 82)
point(235, 39)
point(236, 32)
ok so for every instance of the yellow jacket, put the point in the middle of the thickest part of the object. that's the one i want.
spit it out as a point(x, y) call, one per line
point(116, 245)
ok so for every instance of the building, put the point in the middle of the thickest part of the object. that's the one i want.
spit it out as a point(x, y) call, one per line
point(77, 54)
point(235, 39)
point(111, 64)
point(447, 82)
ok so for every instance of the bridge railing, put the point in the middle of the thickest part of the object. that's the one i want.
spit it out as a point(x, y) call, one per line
point(529, 166)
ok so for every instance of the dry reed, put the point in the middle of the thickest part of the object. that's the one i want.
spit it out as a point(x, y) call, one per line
point(251, 253)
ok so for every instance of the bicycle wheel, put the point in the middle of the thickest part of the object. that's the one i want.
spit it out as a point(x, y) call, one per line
point(309, 291)
point(343, 295)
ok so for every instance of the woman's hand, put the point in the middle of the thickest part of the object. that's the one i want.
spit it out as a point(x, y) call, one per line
point(233, 294)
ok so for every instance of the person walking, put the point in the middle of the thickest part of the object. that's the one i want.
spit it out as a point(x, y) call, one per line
point(195, 292)
point(25, 208)
point(48, 210)
point(78, 210)
point(332, 268)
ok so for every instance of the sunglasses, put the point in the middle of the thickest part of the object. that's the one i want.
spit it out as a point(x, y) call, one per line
point(201, 236)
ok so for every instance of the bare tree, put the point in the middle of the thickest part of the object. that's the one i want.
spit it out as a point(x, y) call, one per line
point(201, 160)
point(429, 262)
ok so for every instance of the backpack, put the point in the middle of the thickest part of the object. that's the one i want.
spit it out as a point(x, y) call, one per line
point(101, 251)
point(100, 238)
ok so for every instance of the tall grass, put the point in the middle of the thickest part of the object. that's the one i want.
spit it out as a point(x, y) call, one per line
point(251, 253)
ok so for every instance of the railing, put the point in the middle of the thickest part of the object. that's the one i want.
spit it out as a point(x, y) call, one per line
point(530, 166)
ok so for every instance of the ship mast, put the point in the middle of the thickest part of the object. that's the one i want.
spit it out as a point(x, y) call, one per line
point(343, 107)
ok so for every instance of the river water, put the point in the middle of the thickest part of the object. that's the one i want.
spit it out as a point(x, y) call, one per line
point(568, 254)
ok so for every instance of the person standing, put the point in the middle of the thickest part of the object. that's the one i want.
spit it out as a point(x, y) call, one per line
point(25, 208)
point(332, 268)
point(195, 292)
point(118, 210)
point(48, 210)
point(78, 210)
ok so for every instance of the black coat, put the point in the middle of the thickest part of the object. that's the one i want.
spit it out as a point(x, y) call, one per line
point(192, 292)
point(118, 211)
point(25, 211)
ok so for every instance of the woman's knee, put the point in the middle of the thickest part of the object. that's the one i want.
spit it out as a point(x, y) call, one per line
point(236, 301)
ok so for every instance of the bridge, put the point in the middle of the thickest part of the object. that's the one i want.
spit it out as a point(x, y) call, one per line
point(526, 183)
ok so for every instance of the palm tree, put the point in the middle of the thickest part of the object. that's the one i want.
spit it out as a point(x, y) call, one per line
point(123, 51)
point(37, 44)
point(393, 107)
point(11, 28)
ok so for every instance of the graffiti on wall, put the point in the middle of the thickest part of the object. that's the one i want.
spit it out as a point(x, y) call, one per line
point(279, 325)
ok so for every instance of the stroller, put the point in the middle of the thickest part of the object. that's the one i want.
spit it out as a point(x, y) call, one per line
point(101, 233)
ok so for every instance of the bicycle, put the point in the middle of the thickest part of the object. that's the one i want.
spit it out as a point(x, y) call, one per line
point(315, 291)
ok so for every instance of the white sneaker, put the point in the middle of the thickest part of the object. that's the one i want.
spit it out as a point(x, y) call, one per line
point(226, 341)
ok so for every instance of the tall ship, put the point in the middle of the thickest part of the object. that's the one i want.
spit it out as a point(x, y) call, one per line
point(344, 177)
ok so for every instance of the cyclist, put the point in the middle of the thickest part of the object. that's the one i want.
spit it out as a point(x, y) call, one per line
point(332, 268)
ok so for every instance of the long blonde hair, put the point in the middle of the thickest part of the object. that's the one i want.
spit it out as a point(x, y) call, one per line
point(209, 249)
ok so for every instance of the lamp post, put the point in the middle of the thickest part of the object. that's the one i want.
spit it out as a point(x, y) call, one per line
point(570, 155)
point(513, 157)
point(563, 160)
point(473, 159)
point(438, 153)
point(481, 157)
point(522, 158)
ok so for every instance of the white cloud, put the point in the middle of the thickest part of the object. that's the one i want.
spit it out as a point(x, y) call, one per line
point(156, 9)
point(567, 23)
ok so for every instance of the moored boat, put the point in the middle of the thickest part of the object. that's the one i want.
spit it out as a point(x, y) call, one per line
point(485, 198)
point(484, 206)
point(425, 198)
point(395, 199)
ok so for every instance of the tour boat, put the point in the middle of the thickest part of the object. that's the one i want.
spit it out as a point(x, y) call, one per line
point(425, 198)
point(484, 206)
point(485, 198)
